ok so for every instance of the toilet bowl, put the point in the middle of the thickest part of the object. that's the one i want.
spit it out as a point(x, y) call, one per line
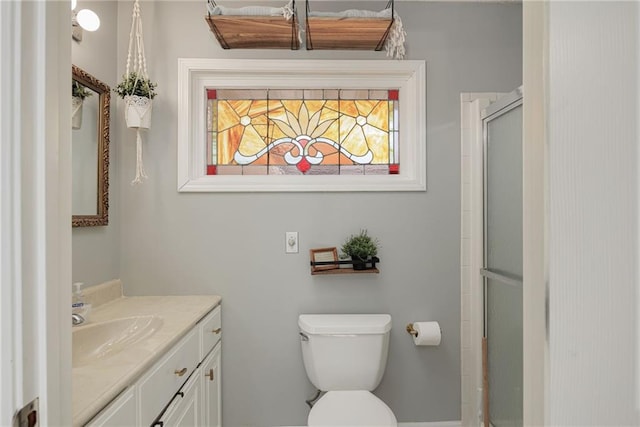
point(345, 356)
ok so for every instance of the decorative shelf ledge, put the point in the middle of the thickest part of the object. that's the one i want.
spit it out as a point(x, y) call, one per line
point(346, 271)
point(334, 267)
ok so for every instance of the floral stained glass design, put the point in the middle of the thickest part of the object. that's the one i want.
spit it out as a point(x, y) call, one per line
point(302, 132)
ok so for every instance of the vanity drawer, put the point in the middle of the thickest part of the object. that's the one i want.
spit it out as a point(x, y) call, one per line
point(210, 331)
point(164, 379)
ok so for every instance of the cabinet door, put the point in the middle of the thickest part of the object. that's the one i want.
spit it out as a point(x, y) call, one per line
point(211, 383)
point(160, 383)
point(119, 413)
point(185, 409)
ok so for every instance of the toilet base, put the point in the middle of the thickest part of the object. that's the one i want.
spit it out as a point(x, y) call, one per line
point(351, 408)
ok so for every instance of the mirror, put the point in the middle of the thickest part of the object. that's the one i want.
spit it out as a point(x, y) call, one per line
point(90, 103)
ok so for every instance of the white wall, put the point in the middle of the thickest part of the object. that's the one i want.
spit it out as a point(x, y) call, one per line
point(95, 258)
point(233, 244)
point(593, 170)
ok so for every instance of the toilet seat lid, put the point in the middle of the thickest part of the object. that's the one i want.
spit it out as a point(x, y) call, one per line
point(351, 408)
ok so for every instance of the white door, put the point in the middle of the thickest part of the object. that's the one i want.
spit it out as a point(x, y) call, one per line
point(35, 211)
point(502, 270)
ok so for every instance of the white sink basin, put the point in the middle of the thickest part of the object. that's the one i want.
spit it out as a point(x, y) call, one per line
point(97, 341)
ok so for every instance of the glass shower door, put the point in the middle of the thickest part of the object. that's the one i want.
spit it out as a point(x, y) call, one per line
point(503, 260)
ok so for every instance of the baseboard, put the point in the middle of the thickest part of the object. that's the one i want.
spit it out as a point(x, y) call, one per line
point(427, 424)
point(432, 424)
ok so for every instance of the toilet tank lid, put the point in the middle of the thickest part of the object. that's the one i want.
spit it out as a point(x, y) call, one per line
point(328, 324)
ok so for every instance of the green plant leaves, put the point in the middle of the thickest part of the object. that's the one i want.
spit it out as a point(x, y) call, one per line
point(79, 91)
point(360, 246)
point(135, 84)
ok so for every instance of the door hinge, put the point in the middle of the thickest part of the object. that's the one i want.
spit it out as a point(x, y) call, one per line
point(28, 415)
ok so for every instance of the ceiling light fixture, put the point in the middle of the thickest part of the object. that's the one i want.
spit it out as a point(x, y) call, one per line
point(83, 19)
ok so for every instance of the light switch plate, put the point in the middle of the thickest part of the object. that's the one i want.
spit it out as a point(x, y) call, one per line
point(291, 242)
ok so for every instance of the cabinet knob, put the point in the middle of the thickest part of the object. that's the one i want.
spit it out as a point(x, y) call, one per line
point(180, 372)
point(217, 331)
point(209, 374)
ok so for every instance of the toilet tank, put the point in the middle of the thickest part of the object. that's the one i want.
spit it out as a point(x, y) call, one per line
point(345, 351)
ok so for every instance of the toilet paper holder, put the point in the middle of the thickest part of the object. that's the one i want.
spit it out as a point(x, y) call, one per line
point(411, 331)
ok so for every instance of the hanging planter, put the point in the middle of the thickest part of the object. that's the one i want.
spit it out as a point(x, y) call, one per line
point(138, 111)
point(138, 93)
point(137, 89)
point(78, 94)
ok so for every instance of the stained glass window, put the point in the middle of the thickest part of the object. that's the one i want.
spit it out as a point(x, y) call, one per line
point(302, 132)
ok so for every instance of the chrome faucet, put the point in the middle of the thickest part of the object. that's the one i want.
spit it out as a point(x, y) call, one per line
point(77, 319)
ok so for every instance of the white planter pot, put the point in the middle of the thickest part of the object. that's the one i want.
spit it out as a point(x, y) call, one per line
point(137, 111)
point(76, 112)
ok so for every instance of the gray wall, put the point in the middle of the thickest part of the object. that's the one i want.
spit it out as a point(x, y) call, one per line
point(95, 257)
point(233, 244)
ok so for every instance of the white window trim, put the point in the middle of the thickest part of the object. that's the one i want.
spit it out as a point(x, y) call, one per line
point(195, 75)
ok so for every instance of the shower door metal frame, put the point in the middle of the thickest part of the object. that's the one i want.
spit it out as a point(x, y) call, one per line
point(500, 107)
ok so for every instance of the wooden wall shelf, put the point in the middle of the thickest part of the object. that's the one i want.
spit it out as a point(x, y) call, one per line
point(333, 267)
point(346, 33)
point(322, 32)
point(254, 32)
point(346, 271)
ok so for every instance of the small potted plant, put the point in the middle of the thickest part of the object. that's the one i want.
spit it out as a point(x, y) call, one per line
point(137, 92)
point(361, 248)
point(78, 94)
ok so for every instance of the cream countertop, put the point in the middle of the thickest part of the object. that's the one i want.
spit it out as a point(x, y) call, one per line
point(96, 384)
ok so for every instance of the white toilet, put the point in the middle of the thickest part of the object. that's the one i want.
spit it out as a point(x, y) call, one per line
point(345, 355)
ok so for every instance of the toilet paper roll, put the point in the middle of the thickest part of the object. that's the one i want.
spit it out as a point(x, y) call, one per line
point(429, 333)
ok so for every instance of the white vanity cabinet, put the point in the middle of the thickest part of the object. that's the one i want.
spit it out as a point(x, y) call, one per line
point(211, 386)
point(181, 389)
point(120, 412)
point(185, 408)
point(198, 403)
point(157, 387)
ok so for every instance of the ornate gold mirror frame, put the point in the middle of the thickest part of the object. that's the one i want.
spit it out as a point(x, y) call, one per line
point(101, 217)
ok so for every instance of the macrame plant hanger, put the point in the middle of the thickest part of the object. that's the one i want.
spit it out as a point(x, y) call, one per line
point(140, 104)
